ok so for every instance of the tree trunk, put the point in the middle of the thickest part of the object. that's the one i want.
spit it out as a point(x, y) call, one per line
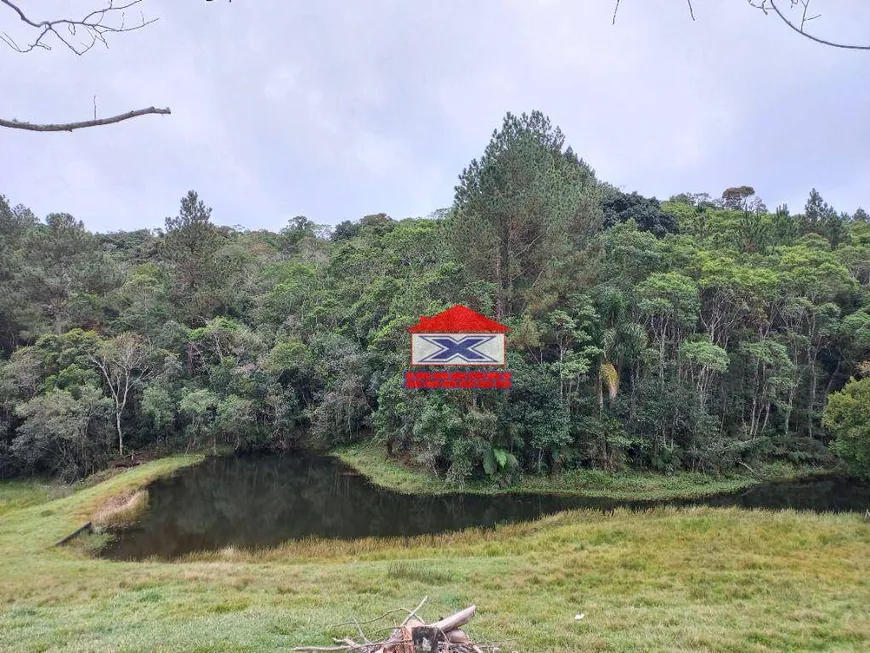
point(120, 433)
point(814, 378)
point(600, 394)
point(790, 406)
point(834, 374)
point(499, 282)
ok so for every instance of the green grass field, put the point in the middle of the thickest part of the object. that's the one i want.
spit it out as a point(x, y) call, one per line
point(371, 461)
point(666, 580)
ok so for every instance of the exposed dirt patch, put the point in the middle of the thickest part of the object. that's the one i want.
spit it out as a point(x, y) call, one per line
point(121, 509)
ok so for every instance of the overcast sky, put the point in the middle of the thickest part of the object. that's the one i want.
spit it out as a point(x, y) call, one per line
point(337, 109)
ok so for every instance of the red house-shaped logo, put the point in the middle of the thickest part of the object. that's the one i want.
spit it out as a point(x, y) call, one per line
point(458, 319)
point(458, 336)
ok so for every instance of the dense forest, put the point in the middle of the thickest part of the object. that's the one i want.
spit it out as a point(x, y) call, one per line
point(702, 332)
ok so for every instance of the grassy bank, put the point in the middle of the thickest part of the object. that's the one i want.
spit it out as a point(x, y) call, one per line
point(691, 580)
point(17, 494)
point(371, 461)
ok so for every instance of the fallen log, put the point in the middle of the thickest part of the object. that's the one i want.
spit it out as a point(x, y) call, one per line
point(87, 527)
point(427, 639)
point(454, 621)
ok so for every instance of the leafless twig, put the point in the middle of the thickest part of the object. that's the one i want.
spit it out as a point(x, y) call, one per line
point(95, 26)
point(804, 19)
point(370, 621)
point(616, 9)
point(413, 613)
point(361, 634)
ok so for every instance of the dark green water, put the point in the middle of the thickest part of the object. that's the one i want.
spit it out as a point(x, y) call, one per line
point(262, 501)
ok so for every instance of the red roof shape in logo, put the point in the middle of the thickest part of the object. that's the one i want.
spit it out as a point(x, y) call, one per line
point(458, 319)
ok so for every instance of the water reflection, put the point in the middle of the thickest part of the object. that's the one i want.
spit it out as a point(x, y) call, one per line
point(266, 500)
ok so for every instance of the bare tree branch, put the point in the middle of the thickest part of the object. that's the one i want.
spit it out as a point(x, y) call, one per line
point(68, 127)
point(804, 19)
point(94, 26)
point(766, 5)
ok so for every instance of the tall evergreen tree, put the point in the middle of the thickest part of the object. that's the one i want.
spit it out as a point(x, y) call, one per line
point(523, 204)
point(189, 245)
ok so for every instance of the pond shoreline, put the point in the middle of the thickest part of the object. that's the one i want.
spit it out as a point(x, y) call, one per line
point(220, 504)
point(372, 462)
point(670, 578)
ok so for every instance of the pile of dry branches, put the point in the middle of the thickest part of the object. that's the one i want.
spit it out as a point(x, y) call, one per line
point(413, 635)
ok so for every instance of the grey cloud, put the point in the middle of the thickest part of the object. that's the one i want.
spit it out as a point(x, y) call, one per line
point(337, 109)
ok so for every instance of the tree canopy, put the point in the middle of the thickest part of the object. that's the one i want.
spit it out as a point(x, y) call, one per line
point(689, 333)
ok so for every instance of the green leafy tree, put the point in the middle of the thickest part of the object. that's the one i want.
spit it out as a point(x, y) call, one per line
point(15, 222)
point(158, 406)
point(200, 409)
point(125, 362)
point(704, 360)
point(143, 301)
point(646, 213)
point(345, 230)
point(61, 432)
point(234, 418)
point(63, 276)
point(847, 415)
point(741, 198)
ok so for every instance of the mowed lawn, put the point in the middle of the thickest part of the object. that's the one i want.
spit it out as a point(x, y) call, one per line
point(666, 580)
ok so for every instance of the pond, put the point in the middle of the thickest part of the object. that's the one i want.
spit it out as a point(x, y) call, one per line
point(262, 501)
